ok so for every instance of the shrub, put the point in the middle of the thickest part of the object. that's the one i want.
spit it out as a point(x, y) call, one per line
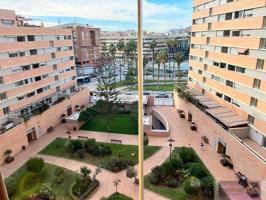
point(197, 170)
point(207, 185)
point(159, 172)
point(191, 185)
point(154, 179)
point(117, 164)
point(171, 182)
point(11, 186)
point(171, 167)
point(131, 172)
point(81, 153)
point(146, 141)
point(187, 154)
point(77, 144)
point(35, 164)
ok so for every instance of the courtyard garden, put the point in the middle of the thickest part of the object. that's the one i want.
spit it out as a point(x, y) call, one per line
point(113, 157)
point(117, 196)
point(37, 180)
point(184, 177)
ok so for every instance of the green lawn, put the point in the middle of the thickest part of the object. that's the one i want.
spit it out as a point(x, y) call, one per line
point(167, 87)
point(174, 193)
point(57, 148)
point(29, 183)
point(121, 123)
point(118, 196)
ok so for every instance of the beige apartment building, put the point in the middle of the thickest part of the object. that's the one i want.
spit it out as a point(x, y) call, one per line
point(37, 81)
point(86, 44)
point(228, 63)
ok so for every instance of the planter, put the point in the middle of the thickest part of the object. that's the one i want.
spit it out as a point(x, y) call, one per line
point(90, 190)
point(9, 159)
point(226, 163)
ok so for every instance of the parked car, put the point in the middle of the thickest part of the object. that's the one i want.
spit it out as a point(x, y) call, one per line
point(162, 95)
point(129, 93)
point(147, 93)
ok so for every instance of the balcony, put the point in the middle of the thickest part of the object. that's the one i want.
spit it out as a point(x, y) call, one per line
point(9, 123)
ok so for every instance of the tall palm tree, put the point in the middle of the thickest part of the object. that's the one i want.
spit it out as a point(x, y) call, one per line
point(163, 61)
point(175, 45)
point(145, 62)
point(112, 52)
point(158, 62)
point(121, 49)
point(170, 45)
point(178, 57)
point(153, 45)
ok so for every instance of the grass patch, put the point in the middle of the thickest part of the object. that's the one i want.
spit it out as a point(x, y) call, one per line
point(121, 123)
point(57, 148)
point(29, 183)
point(167, 87)
point(118, 196)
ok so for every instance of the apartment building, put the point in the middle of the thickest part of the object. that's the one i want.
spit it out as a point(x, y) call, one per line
point(3, 193)
point(86, 44)
point(161, 39)
point(228, 61)
point(37, 75)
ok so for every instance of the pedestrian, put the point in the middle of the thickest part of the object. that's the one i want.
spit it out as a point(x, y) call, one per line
point(201, 146)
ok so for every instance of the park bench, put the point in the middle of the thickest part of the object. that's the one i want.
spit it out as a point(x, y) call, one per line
point(116, 141)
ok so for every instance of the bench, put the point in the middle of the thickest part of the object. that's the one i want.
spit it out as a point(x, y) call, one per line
point(116, 141)
point(205, 139)
point(82, 137)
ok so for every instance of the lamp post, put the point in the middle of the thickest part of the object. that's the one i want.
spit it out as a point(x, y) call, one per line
point(170, 140)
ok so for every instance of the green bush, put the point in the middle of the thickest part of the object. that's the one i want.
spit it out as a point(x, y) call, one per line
point(197, 170)
point(171, 182)
point(146, 141)
point(207, 185)
point(77, 144)
point(191, 185)
point(81, 153)
point(117, 164)
point(35, 164)
point(11, 186)
point(153, 179)
point(170, 167)
point(159, 172)
point(187, 154)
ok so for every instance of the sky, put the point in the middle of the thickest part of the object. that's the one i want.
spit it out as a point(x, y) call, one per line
point(159, 15)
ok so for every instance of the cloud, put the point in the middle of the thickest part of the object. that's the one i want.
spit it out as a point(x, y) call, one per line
point(111, 10)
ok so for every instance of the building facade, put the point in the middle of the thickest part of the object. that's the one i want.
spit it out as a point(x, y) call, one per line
point(37, 74)
point(228, 58)
point(86, 44)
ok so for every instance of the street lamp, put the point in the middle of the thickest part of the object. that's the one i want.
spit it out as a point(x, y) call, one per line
point(170, 140)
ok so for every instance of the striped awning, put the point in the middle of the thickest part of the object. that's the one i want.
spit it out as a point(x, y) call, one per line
point(228, 118)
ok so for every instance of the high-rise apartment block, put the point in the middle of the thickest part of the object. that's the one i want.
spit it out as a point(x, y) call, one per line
point(37, 73)
point(86, 44)
point(228, 60)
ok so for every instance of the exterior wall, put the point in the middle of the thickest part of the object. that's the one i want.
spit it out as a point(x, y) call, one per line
point(246, 163)
point(226, 46)
point(15, 138)
point(3, 193)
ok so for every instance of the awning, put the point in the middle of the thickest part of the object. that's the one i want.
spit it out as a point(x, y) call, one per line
point(228, 118)
point(242, 51)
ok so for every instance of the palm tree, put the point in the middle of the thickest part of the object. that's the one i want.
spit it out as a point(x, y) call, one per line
point(170, 45)
point(112, 51)
point(153, 45)
point(145, 62)
point(121, 49)
point(163, 59)
point(158, 62)
point(175, 45)
point(178, 57)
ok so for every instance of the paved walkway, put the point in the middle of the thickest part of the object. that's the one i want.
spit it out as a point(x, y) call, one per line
point(180, 132)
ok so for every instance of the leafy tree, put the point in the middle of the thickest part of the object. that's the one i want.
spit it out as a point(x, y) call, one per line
point(35, 164)
point(197, 170)
point(85, 172)
point(158, 62)
point(112, 52)
point(107, 93)
point(131, 76)
point(153, 45)
point(131, 172)
point(145, 62)
point(191, 185)
point(178, 57)
point(186, 154)
point(116, 183)
point(207, 185)
point(121, 49)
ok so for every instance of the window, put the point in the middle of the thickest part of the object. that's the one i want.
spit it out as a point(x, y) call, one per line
point(45, 76)
point(224, 50)
point(219, 94)
point(35, 66)
point(248, 13)
point(25, 67)
point(27, 81)
point(253, 102)
point(231, 67)
point(53, 55)
point(251, 119)
point(229, 83)
point(33, 52)
point(263, 43)
point(38, 78)
point(228, 16)
point(205, 67)
point(221, 17)
point(264, 22)
point(31, 94)
point(240, 69)
point(20, 38)
point(12, 55)
point(20, 98)
point(19, 83)
point(235, 33)
point(223, 65)
point(200, 71)
point(238, 14)
point(31, 38)
point(3, 96)
point(54, 66)
point(226, 33)
point(216, 64)
point(204, 79)
point(40, 90)
point(6, 110)
point(21, 54)
point(260, 64)
point(209, 26)
point(1, 80)
point(227, 98)
point(58, 89)
point(256, 83)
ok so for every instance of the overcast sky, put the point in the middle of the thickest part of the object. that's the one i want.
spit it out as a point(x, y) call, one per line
point(159, 15)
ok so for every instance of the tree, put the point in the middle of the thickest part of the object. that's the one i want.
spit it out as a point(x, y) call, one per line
point(121, 49)
point(131, 76)
point(35, 165)
point(170, 45)
point(85, 172)
point(178, 59)
point(107, 93)
point(112, 52)
point(97, 171)
point(116, 183)
point(163, 61)
point(153, 45)
point(158, 62)
point(145, 62)
point(131, 172)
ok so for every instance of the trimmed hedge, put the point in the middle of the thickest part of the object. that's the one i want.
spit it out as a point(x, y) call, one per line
point(91, 189)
